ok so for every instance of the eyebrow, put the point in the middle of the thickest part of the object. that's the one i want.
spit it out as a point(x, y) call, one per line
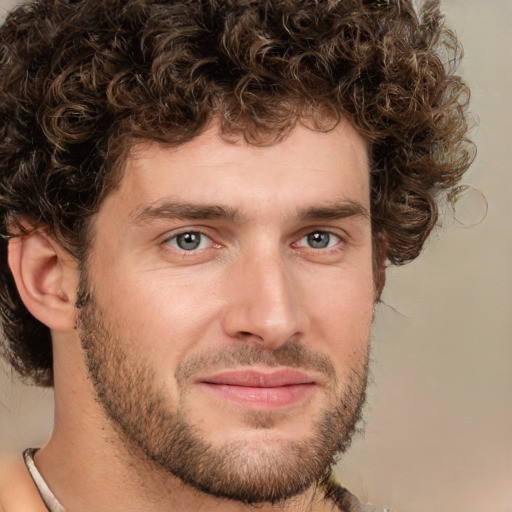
point(335, 211)
point(190, 211)
point(185, 211)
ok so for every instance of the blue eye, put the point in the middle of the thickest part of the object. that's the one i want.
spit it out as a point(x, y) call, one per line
point(319, 240)
point(190, 241)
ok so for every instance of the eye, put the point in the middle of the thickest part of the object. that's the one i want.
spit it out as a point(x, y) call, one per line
point(190, 241)
point(319, 240)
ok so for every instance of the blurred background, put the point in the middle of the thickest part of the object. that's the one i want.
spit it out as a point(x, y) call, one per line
point(438, 422)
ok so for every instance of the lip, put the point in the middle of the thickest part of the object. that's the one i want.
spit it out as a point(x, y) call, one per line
point(261, 389)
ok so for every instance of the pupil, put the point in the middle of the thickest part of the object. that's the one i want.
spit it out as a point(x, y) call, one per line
point(318, 240)
point(188, 241)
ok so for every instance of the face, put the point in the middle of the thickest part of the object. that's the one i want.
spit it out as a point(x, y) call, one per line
point(227, 306)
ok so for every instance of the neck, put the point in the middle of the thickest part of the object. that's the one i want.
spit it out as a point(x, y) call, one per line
point(87, 466)
point(93, 478)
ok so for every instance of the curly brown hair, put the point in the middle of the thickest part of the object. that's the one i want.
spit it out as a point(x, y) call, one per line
point(82, 80)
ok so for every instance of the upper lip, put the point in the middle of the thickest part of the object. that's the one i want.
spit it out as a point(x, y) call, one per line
point(259, 378)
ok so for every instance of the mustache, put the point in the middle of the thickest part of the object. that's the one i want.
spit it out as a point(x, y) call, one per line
point(291, 354)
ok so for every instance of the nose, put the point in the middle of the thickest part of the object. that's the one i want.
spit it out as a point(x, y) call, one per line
point(264, 302)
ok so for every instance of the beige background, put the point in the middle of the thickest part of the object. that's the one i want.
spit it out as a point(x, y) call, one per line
point(439, 415)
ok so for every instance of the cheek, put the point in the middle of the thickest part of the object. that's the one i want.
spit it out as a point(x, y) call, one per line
point(341, 312)
point(161, 315)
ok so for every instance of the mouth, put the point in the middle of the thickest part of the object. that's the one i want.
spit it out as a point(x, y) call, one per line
point(260, 389)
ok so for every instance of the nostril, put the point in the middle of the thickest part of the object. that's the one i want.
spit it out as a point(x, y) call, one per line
point(246, 336)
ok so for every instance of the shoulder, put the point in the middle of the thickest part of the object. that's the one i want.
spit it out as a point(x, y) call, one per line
point(345, 501)
point(17, 491)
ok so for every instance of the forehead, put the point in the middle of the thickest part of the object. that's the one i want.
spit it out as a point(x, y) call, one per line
point(306, 167)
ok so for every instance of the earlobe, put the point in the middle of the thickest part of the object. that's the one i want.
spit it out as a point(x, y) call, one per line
point(46, 277)
point(380, 280)
point(380, 265)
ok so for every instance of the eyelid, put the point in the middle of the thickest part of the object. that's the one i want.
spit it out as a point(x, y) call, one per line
point(335, 231)
point(322, 231)
point(173, 232)
point(168, 237)
point(202, 240)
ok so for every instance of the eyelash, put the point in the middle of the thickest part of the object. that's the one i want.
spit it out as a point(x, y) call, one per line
point(330, 248)
point(174, 237)
point(338, 245)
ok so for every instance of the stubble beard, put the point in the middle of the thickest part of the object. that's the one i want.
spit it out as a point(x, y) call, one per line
point(155, 432)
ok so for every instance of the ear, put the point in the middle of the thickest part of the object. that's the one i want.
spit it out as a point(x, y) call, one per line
point(46, 277)
point(380, 248)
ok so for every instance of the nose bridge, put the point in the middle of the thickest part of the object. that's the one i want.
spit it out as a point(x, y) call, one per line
point(265, 306)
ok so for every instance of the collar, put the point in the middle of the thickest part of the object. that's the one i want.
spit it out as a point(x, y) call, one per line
point(51, 502)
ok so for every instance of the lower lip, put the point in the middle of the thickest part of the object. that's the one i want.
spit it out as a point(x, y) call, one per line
point(262, 398)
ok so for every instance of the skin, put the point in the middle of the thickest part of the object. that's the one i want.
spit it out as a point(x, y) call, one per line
point(255, 280)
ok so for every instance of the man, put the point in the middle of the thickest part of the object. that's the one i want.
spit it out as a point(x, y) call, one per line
point(198, 200)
